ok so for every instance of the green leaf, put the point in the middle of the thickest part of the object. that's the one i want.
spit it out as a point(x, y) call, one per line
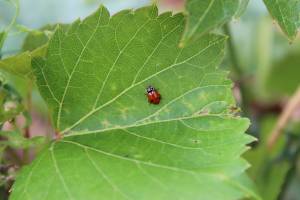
point(287, 14)
point(38, 38)
point(20, 64)
point(35, 40)
point(118, 146)
point(204, 16)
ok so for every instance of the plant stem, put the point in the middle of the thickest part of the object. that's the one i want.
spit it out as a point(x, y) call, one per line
point(237, 69)
point(13, 21)
point(284, 118)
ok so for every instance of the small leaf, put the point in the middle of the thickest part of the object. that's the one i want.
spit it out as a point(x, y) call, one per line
point(204, 16)
point(36, 39)
point(287, 14)
point(35, 45)
point(118, 146)
point(20, 64)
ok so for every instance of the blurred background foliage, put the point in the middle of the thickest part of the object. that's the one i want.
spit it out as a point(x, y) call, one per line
point(264, 65)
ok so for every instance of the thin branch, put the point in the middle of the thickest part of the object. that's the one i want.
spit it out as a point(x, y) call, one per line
point(17, 11)
point(237, 69)
point(284, 118)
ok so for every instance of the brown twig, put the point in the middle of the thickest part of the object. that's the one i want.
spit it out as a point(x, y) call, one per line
point(284, 118)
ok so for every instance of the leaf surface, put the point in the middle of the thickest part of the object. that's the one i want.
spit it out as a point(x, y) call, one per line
point(204, 16)
point(116, 144)
point(287, 14)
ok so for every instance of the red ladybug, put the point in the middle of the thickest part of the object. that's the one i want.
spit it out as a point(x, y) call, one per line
point(153, 95)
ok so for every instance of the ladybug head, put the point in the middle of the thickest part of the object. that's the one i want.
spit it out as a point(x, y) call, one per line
point(150, 89)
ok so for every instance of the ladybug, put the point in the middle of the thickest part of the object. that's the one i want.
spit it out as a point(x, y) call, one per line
point(153, 95)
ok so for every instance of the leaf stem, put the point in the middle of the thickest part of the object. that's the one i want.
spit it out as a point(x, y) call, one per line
point(16, 4)
point(284, 118)
point(237, 69)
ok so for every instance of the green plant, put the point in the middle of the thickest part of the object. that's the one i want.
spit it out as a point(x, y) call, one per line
point(110, 143)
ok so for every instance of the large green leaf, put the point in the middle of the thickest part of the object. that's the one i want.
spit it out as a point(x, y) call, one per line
point(118, 146)
point(287, 14)
point(204, 16)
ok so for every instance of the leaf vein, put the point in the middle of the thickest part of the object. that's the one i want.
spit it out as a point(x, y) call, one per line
point(61, 178)
point(116, 60)
point(74, 69)
point(101, 172)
